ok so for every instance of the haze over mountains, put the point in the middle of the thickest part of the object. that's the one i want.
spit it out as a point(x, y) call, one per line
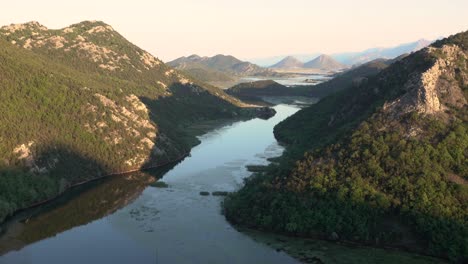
point(289, 62)
point(322, 62)
point(224, 70)
point(349, 79)
point(352, 58)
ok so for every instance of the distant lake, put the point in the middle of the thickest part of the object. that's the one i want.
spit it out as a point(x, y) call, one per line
point(291, 81)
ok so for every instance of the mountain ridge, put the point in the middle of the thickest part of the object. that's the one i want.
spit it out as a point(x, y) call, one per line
point(218, 68)
point(122, 100)
point(321, 62)
point(352, 58)
point(324, 62)
point(381, 164)
point(289, 62)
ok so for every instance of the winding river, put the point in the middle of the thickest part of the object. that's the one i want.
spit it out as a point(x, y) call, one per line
point(124, 220)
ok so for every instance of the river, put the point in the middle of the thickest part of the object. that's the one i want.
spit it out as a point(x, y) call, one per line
point(125, 220)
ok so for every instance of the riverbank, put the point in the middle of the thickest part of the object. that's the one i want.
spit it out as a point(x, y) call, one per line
point(309, 250)
point(192, 131)
point(174, 224)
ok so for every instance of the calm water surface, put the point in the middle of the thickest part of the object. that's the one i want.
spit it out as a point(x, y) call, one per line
point(123, 220)
point(292, 81)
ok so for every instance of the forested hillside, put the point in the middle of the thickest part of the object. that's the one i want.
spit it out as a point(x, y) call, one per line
point(351, 78)
point(83, 102)
point(383, 163)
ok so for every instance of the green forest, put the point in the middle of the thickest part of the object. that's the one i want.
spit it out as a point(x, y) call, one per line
point(65, 120)
point(355, 171)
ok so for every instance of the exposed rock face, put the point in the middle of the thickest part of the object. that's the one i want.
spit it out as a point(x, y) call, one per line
point(33, 25)
point(149, 60)
point(136, 122)
point(24, 153)
point(86, 38)
point(431, 91)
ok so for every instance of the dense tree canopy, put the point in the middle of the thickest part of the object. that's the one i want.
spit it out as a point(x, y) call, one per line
point(371, 174)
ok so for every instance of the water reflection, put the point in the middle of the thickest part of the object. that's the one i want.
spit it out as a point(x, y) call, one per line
point(77, 207)
point(121, 221)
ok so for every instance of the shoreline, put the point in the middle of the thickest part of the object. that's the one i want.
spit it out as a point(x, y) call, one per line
point(37, 204)
point(194, 130)
point(298, 247)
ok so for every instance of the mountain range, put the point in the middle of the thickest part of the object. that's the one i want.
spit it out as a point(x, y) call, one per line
point(352, 79)
point(353, 58)
point(219, 68)
point(82, 102)
point(322, 62)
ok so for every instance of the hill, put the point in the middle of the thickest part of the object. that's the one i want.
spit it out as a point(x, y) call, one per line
point(218, 68)
point(353, 77)
point(288, 63)
point(253, 91)
point(82, 102)
point(384, 164)
point(324, 62)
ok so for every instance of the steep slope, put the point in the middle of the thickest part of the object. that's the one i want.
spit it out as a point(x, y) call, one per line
point(288, 63)
point(82, 102)
point(219, 67)
point(384, 164)
point(324, 62)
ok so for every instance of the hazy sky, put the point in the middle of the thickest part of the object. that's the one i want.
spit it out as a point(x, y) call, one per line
point(252, 28)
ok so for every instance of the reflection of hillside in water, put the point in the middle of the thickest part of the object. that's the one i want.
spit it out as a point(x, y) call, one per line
point(78, 207)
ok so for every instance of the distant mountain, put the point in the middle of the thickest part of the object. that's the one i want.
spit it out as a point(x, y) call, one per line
point(268, 61)
point(351, 78)
point(324, 62)
point(352, 58)
point(289, 62)
point(218, 68)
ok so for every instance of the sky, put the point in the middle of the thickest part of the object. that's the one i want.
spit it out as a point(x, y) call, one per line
point(251, 29)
